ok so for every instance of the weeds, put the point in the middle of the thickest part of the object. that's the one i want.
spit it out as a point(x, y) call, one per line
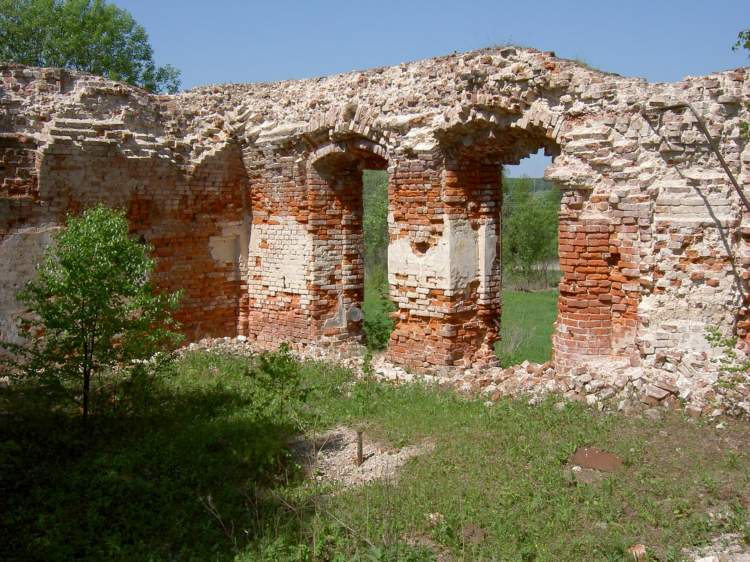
point(729, 360)
point(377, 307)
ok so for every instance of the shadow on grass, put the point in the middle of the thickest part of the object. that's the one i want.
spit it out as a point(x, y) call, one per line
point(183, 481)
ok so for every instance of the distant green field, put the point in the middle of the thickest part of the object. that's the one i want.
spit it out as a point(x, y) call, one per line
point(526, 327)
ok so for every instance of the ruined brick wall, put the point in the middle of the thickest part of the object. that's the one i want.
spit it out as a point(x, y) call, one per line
point(251, 196)
point(101, 149)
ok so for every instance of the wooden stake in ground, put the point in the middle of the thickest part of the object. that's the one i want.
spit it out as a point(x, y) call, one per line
point(360, 455)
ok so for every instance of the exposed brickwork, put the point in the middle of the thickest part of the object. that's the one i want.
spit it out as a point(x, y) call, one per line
point(584, 325)
point(251, 196)
point(18, 166)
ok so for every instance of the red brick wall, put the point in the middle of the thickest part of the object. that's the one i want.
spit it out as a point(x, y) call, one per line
point(584, 323)
point(175, 211)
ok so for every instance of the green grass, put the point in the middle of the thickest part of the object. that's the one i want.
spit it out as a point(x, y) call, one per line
point(526, 327)
point(202, 472)
point(376, 308)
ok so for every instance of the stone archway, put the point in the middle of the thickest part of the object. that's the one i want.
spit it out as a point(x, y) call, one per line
point(445, 251)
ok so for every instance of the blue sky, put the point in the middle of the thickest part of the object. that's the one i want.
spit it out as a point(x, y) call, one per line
point(246, 41)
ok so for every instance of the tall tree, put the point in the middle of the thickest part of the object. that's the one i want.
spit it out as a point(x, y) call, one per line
point(89, 35)
point(743, 40)
point(529, 228)
point(93, 307)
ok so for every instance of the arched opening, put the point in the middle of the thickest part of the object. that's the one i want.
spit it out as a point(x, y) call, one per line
point(479, 153)
point(338, 176)
point(530, 262)
point(377, 305)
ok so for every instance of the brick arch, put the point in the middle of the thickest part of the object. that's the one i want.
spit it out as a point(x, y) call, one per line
point(598, 295)
point(358, 152)
point(445, 255)
point(345, 122)
point(334, 194)
point(496, 136)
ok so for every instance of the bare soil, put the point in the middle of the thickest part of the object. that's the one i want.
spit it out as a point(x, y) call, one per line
point(332, 457)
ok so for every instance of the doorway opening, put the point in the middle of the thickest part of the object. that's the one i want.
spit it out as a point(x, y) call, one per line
point(377, 305)
point(530, 262)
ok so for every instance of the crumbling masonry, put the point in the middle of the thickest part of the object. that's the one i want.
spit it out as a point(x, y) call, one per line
point(251, 197)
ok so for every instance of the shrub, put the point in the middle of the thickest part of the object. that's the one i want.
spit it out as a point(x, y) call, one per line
point(377, 308)
point(92, 308)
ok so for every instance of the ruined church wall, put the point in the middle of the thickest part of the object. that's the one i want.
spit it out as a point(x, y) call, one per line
point(192, 216)
point(227, 182)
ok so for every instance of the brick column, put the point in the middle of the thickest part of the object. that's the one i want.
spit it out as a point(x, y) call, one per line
point(631, 227)
point(584, 322)
point(280, 251)
point(444, 262)
point(337, 268)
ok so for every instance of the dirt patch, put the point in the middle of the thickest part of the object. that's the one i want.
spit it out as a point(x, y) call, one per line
point(473, 534)
point(596, 459)
point(332, 457)
point(589, 465)
point(441, 553)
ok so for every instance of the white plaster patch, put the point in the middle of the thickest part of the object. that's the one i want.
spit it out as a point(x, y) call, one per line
point(463, 253)
point(429, 269)
point(284, 252)
point(224, 248)
point(451, 264)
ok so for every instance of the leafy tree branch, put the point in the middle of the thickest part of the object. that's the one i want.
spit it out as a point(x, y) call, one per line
point(89, 35)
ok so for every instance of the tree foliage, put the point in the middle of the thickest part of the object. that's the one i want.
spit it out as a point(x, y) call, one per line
point(378, 324)
point(529, 227)
point(375, 220)
point(92, 306)
point(88, 35)
point(743, 42)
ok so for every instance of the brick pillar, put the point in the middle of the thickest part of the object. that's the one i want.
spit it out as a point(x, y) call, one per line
point(337, 268)
point(584, 322)
point(444, 262)
point(630, 229)
point(280, 250)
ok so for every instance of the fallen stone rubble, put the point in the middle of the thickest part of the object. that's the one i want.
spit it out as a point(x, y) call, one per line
point(613, 385)
point(726, 548)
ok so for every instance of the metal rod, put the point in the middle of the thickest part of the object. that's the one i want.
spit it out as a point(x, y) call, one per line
point(712, 145)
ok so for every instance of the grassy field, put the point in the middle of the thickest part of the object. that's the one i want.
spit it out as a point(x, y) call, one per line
point(202, 471)
point(526, 327)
